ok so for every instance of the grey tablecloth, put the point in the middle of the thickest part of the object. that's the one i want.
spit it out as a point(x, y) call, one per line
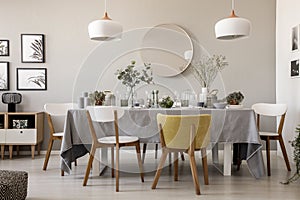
point(228, 126)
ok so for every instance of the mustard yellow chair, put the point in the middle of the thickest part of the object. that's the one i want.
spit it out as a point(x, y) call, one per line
point(184, 133)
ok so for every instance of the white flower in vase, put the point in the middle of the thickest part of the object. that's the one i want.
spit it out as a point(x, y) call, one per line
point(206, 69)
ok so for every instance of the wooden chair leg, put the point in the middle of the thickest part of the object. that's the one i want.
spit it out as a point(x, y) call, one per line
point(194, 174)
point(285, 156)
point(117, 167)
point(138, 154)
point(75, 162)
point(204, 164)
point(268, 156)
point(156, 150)
point(175, 156)
point(89, 165)
point(159, 168)
point(112, 162)
point(62, 173)
point(50, 144)
point(39, 148)
point(10, 148)
point(144, 152)
point(2, 151)
point(182, 156)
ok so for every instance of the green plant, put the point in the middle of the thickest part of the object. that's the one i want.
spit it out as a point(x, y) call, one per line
point(207, 68)
point(131, 77)
point(296, 144)
point(235, 98)
point(97, 97)
point(166, 102)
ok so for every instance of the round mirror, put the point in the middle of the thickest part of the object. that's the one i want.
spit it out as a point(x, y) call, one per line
point(168, 48)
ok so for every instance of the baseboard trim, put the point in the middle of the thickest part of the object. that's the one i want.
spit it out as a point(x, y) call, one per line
point(28, 153)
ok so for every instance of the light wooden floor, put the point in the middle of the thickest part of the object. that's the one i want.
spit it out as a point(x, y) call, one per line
point(241, 185)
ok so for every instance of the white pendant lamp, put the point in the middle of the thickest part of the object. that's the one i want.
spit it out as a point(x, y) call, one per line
point(232, 27)
point(105, 29)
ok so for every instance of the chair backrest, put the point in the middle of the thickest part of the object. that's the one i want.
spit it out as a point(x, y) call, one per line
point(176, 130)
point(271, 110)
point(56, 115)
point(104, 114)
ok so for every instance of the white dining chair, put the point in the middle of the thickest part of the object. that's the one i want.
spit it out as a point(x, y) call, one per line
point(110, 114)
point(272, 110)
point(56, 115)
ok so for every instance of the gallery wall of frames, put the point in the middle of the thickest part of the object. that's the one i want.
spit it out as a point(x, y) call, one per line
point(295, 43)
point(32, 47)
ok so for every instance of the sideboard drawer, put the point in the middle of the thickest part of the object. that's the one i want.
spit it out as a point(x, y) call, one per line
point(21, 136)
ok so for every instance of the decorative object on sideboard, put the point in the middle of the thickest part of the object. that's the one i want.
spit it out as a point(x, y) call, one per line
point(296, 144)
point(4, 76)
point(4, 47)
point(105, 29)
point(32, 48)
point(20, 123)
point(206, 69)
point(232, 27)
point(31, 79)
point(131, 77)
point(11, 99)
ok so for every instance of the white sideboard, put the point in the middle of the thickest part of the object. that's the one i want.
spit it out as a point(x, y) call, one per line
point(21, 128)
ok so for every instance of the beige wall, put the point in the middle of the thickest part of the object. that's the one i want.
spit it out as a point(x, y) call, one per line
point(64, 22)
point(287, 88)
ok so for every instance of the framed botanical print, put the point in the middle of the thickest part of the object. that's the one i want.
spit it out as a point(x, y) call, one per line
point(31, 79)
point(4, 76)
point(32, 48)
point(4, 47)
point(295, 68)
point(295, 38)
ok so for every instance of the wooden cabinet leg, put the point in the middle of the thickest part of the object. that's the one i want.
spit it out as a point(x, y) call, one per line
point(32, 151)
point(18, 150)
point(2, 152)
point(10, 151)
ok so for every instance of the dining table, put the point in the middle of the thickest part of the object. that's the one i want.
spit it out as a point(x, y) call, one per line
point(228, 127)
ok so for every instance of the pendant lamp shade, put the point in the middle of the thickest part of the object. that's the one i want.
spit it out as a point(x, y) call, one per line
point(232, 27)
point(105, 29)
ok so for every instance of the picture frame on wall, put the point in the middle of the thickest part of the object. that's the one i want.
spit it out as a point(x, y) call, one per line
point(295, 38)
point(295, 68)
point(32, 48)
point(31, 79)
point(4, 76)
point(4, 47)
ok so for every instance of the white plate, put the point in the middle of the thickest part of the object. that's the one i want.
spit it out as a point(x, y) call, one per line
point(234, 106)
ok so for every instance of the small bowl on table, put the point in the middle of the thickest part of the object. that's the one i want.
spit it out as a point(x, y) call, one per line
point(220, 105)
